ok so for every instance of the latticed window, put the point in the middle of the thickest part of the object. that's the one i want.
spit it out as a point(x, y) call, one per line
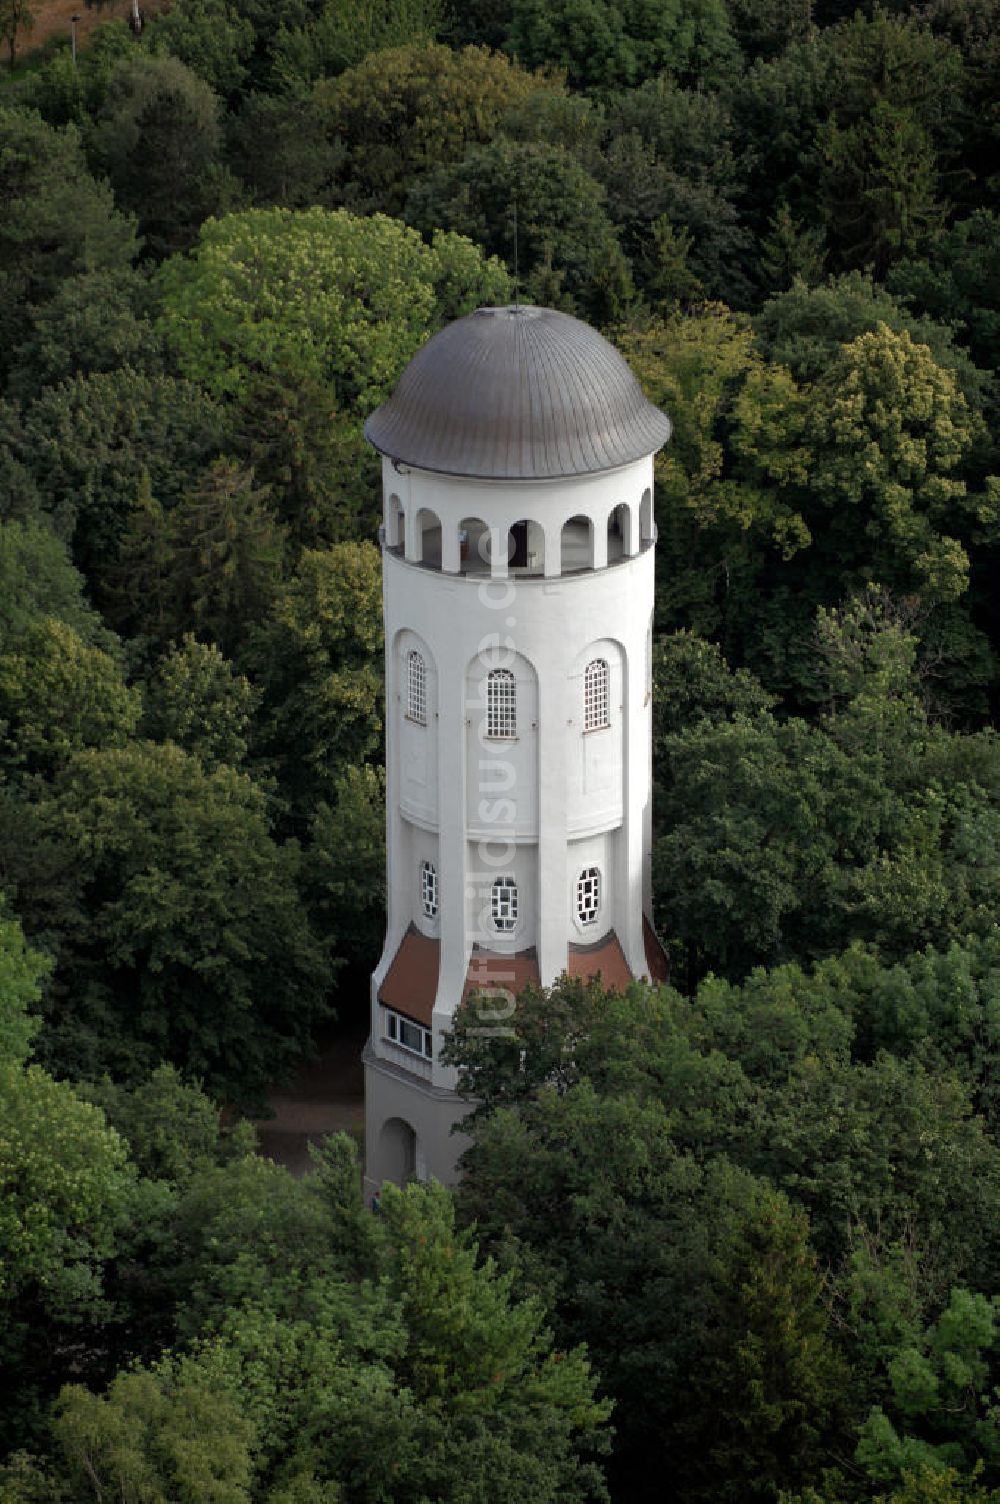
point(501, 703)
point(596, 708)
point(504, 903)
point(429, 888)
point(416, 688)
point(588, 895)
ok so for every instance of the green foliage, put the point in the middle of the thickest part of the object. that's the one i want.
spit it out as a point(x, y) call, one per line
point(175, 919)
point(224, 555)
point(211, 37)
point(22, 970)
point(784, 839)
point(197, 699)
point(345, 868)
point(158, 139)
point(804, 327)
point(278, 147)
point(315, 658)
point(58, 695)
point(568, 249)
point(65, 1184)
point(608, 47)
point(324, 478)
point(960, 285)
point(429, 1376)
point(81, 451)
point(91, 322)
point(403, 111)
point(36, 580)
point(345, 32)
point(672, 153)
point(57, 221)
point(173, 1130)
point(342, 300)
point(156, 1438)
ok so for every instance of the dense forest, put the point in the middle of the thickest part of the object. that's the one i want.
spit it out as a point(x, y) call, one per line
point(730, 1239)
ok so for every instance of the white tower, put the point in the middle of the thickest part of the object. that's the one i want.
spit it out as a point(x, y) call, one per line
point(518, 591)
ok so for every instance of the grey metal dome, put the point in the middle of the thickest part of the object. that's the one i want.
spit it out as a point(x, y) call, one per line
point(517, 393)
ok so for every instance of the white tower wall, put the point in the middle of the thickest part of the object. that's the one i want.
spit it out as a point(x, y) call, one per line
point(543, 806)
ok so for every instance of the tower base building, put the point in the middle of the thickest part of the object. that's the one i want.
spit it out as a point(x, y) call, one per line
point(518, 551)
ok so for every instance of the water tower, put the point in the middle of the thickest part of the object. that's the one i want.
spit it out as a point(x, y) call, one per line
point(518, 594)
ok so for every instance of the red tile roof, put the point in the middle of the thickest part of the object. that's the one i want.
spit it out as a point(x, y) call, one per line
point(656, 960)
point(606, 960)
point(489, 971)
point(411, 982)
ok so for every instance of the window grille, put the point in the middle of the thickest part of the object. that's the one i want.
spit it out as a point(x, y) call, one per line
point(416, 688)
point(596, 710)
point(504, 904)
point(588, 895)
point(501, 703)
point(429, 888)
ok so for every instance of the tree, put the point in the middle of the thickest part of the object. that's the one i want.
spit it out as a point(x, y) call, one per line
point(175, 919)
point(158, 139)
point(345, 869)
point(225, 555)
point(211, 37)
point(92, 322)
point(196, 698)
point(279, 148)
point(791, 252)
point(322, 709)
point(324, 479)
point(405, 110)
point(66, 1184)
point(57, 695)
point(57, 222)
point(85, 448)
point(417, 1374)
point(15, 16)
point(960, 287)
point(803, 327)
point(38, 580)
point(22, 971)
point(340, 300)
point(610, 47)
point(345, 32)
point(881, 185)
point(673, 152)
point(173, 1130)
point(562, 223)
point(892, 431)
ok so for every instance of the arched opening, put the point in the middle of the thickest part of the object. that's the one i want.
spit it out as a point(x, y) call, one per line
point(646, 531)
point(577, 545)
point(394, 522)
point(526, 548)
point(473, 546)
point(620, 533)
point(397, 1151)
point(427, 539)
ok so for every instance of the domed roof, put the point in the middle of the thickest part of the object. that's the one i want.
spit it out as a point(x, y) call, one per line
point(517, 393)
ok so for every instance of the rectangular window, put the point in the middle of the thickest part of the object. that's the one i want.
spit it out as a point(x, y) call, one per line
point(501, 703)
point(408, 1035)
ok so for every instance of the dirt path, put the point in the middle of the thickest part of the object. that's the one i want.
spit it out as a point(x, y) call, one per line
point(53, 18)
point(326, 1097)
